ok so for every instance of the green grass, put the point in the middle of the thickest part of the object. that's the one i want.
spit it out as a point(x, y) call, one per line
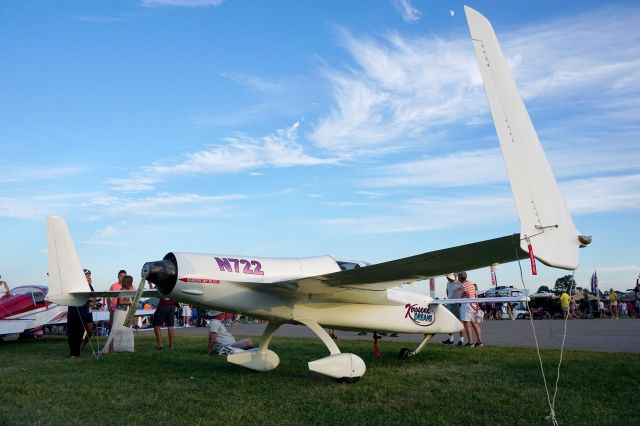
point(39, 384)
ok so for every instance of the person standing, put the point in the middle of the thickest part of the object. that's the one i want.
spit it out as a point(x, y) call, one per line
point(564, 303)
point(77, 319)
point(613, 298)
point(121, 337)
point(454, 289)
point(186, 314)
point(164, 315)
point(87, 316)
point(470, 312)
point(114, 300)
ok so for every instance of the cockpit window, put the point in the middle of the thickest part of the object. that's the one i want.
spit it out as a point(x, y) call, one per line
point(347, 266)
point(24, 290)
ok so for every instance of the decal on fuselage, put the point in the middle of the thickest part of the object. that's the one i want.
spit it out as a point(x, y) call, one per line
point(199, 280)
point(245, 266)
point(420, 315)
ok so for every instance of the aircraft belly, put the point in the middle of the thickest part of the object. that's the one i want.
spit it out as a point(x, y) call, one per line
point(230, 297)
point(400, 318)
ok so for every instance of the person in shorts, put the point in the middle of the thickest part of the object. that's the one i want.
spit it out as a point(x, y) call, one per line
point(164, 316)
point(453, 292)
point(470, 313)
point(220, 337)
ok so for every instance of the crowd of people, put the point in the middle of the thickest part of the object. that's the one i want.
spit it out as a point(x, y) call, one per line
point(81, 325)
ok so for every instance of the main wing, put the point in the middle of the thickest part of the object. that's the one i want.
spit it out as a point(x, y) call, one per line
point(373, 283)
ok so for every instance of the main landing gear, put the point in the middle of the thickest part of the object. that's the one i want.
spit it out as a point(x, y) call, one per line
point(345, 368)
point(406, 353)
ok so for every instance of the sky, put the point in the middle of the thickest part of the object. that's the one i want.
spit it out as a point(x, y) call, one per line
point(294, 128)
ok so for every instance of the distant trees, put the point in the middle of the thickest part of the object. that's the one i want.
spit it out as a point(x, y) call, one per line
point(566, 283)
point(544, 289)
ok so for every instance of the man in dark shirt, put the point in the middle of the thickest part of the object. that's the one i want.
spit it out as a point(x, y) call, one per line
point(164, 315)
point(79, 320)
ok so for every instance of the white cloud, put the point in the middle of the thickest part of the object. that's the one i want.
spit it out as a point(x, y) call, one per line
point(12, 174)
point(407, 10)
point(37, 207)
point(106, 232)
point(618, 268)
point(398, 88)
point(98, 19)
point(468, 168)
point(583, 196)
point(164, 205)
point(427, 214)
point(136, 182)
point(238, 154)
point(183, 3)
point(481, 167)
point(602, 194)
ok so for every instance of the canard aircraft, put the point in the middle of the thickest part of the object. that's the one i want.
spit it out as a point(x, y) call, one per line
point(322, 292)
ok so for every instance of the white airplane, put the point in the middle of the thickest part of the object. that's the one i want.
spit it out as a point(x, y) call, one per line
point(322, 292)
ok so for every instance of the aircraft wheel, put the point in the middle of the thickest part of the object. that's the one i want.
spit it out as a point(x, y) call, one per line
point(348, 380)
point(405, 353)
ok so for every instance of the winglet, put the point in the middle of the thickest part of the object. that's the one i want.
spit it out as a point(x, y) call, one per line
point(544, 218)
point(65, 273)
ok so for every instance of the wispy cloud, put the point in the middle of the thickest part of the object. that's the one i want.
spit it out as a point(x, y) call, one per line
point(428, 214)
point(163, 205)
point(482, 167)
point(253, 82)
point(12, 174)
point(618, 268)
point(183, 3)
point(136, 182)
point(397, 87)
point(407, 10)
point(583, 196)
point(36, 207)
point(98, 19)
point(238, 154)
point(601, 194)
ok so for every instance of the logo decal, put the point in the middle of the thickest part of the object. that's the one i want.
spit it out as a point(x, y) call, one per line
point(420, 315)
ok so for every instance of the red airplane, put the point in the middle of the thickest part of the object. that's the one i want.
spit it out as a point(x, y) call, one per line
point(25, 309)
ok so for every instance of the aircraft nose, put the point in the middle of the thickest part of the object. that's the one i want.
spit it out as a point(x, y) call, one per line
point(162, 273)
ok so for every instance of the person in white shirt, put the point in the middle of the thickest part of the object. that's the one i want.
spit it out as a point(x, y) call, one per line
point(219, 336)
point(453, 292)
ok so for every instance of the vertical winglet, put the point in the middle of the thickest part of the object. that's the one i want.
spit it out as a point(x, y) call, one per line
point(544, 218)
point(65, 273)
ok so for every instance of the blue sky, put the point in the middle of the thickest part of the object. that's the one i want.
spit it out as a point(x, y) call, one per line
point(355, 129)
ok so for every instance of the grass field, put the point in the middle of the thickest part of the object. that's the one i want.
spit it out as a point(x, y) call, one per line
point(443, 385)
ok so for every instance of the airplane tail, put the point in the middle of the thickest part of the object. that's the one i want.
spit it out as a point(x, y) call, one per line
point(545, 222)
point(66, 275)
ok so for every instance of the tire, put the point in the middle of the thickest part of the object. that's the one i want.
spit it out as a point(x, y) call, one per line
point(404, 353)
